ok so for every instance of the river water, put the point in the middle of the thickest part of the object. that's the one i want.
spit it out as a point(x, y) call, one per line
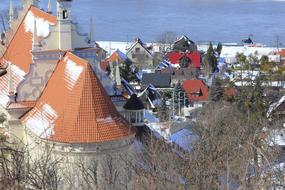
point(201, 20)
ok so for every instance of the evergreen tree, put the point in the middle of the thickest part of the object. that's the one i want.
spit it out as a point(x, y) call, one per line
point(163, 110)
point(210, 60)
point(179, 99)
point(126, 71)
point(242, 60)
point(219, 48)
point(216, 90)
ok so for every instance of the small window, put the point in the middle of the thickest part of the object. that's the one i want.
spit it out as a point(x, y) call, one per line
point(137, 49)
point(133, 56)
point(64, 14)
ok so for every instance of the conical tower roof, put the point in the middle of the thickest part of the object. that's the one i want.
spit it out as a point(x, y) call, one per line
point(74, 107)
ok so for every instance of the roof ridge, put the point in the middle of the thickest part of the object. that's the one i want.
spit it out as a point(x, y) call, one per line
point(20, 23)
point(82, 112)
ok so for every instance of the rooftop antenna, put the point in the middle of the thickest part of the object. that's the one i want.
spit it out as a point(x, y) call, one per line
point(91, 31)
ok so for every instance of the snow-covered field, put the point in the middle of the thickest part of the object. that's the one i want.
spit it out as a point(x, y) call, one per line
point(227, 51)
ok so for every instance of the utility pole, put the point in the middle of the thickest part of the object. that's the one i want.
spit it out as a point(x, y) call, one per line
point(173, 108)
point(179, 107)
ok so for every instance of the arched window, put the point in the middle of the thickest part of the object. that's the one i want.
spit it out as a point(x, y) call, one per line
point(64, 14)
point(185, 62)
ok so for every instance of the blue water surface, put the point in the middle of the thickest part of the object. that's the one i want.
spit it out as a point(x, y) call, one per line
point(201, 20)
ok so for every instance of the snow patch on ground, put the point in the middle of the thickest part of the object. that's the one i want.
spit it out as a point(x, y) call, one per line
point(150, 117)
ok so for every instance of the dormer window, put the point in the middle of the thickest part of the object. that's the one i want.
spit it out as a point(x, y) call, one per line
point(64, 14)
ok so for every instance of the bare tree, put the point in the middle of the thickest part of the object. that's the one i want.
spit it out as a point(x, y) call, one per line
point(20, 170)
point(166, 39)
point(156, 165)
point(88, 172)
point(277, 41)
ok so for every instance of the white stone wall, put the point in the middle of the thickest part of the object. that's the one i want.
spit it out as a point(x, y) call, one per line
point(88, 166)
point(40, 72)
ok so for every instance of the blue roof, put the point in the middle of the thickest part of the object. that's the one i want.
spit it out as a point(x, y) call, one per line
point(122, 55)
point(184, 138)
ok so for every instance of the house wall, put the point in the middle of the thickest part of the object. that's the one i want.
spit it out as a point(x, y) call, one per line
point(65, 36)
point(107, 159)
point(40, 71)
point(139, 56)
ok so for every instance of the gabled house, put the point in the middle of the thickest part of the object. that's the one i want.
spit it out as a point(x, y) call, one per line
point(114, 62)
point(184, 44)
point(180, 74)
point(197, 93)
point(185, 60)
point(196, 90)
point(140, 55)
point(117, 56)
point(184, 53)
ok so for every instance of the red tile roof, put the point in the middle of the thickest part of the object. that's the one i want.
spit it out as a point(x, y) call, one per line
point(196, 90)
point(114, 57)
point(24, 104)
point(104, 65)
point(17, 77)
point(174, 58)
point(19, 53)
point(19, 49)
point(282, 52)
point(74, 107)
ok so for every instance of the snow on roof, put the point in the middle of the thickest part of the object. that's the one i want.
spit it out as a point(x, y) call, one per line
point(43, 26)
point(275, 105)
point(150, 117)
point(277, 137)
point(43, 116)
point(72, 73)
point(185, 138)
point(17, 77)
point(19, 49)
point(186, 39)
point(76, 109)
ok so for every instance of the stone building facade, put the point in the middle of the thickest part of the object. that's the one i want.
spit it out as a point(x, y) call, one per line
point(57, 99)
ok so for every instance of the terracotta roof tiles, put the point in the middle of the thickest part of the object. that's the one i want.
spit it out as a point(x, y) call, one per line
point(74, 107)
point(18, 52)
point(24, 104)
point(17, 77)
point(196, 90)
point(19, 49)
